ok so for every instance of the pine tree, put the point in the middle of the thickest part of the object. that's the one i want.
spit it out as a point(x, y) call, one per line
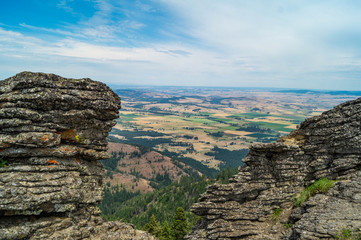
point(166, 233)
point(180, 225)
point(153, 227)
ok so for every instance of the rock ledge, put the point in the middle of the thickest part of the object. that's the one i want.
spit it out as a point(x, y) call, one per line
point(324, 146)
point(53, 130)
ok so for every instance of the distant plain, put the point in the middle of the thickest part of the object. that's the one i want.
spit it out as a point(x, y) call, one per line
point(194, 122)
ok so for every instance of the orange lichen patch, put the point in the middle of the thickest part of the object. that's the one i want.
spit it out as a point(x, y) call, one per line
point(52, 161)
point(4, 145)
point(69, 135)
point(2, 150)
point(50, 166)
point(68, 150)
point(47, 139)
point(44, 138)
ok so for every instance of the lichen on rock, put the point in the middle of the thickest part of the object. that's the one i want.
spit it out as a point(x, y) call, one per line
point(53, 130)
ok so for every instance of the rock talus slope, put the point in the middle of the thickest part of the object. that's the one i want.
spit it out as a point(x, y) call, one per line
point(52, 131)
point(328, 146)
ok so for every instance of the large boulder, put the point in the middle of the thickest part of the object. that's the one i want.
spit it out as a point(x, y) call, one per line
point(53, 131)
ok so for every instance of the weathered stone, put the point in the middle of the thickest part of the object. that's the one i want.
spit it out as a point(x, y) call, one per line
point(85, 224)
point(324, 146)
point(324, 215)
point(52, 132)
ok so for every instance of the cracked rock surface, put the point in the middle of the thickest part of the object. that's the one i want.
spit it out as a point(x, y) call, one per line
point(324, 146)
point(52, 131)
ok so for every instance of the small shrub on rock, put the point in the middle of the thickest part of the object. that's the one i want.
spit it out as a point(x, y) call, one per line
point(348, 234)
point(2, 163)
point(320, 186)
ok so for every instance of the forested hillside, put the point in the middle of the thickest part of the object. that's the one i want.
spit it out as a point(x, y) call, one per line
point(138, 208)
point(138, 168)
point(162, 203)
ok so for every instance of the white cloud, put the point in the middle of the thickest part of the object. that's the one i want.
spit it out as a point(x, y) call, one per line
point(229, 43)
point(64, 5)
point(278, 35)
point(50, 30)
point(145, 64)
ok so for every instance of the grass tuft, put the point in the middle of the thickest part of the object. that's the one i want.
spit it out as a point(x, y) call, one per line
point(288, 225)
point(320, 186)
point(276, 214)
point(2, 163)
point(348, 234)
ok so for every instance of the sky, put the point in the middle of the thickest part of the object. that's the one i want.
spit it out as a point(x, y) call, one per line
point(229, 43)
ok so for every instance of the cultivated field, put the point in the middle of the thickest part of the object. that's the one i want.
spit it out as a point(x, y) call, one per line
point(209, 124)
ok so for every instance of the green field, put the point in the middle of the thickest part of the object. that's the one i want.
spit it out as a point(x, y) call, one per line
point(250, 115)
point(127, 117)
point(227, 119)
point(259, 135)
point(200, 120)
point(274, 126)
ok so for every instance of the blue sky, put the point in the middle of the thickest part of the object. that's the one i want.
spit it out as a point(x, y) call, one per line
point(240, 43)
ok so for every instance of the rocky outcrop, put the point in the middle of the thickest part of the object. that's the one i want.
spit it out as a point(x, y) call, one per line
point(326, 214)
point(257, 203)
point(53, 131)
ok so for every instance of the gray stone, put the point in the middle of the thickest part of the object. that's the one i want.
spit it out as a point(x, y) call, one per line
point(324, 146)
point(52, 132)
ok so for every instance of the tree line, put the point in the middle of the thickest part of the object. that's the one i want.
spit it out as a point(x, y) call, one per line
point(178, 229)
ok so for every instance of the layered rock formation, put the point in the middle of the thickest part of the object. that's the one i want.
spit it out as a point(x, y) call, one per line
point(52, 132)
point(248, 207)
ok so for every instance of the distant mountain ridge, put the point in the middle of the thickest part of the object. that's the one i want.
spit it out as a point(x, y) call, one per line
point(131, 90)
point(304, 91)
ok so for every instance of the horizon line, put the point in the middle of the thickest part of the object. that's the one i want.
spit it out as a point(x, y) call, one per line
point(115, 87)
